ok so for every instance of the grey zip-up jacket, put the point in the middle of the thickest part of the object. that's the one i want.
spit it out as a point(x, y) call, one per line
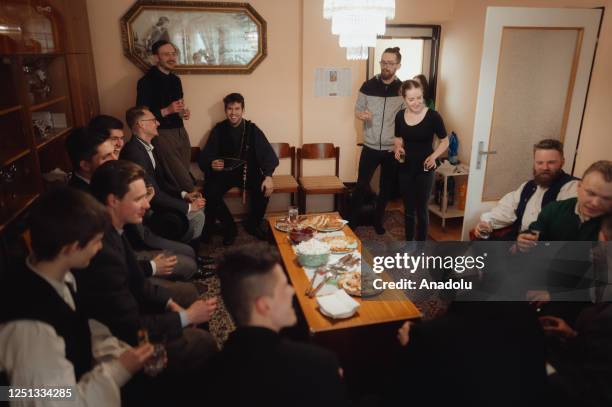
point(383, 101)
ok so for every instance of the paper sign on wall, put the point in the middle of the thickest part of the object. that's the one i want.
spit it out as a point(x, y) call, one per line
point(332, 82)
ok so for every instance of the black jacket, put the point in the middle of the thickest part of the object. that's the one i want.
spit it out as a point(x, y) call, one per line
point(166, 196)
point(115, 291)
point(262, 160)
point(258, 368)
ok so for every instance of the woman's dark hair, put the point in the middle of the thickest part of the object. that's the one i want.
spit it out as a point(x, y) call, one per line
point(114, 177)
point(396, 51)
point(407, 85)
point(422, 79)
point(233, 98)
point(61, 217)
point(245, 275)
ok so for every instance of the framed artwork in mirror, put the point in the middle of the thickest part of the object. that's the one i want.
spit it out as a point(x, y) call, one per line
point(209, 37)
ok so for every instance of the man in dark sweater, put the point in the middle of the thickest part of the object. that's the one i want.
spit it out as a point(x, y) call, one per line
point(257, 366)
point(162, 92)
point(237, 154)
point(46, 337)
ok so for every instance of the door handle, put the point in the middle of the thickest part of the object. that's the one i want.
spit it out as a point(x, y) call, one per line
point(481, 152)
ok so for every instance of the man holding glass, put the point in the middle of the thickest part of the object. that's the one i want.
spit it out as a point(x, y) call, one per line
point(162, 92)
point(377, 104)
point(237, 154)
point(519, 208)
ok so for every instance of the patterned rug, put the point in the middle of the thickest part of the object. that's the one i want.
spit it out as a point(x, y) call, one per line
point(221, 323)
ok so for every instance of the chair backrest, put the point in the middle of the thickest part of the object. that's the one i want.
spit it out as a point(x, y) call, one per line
point(284, 150)
point(318, 151)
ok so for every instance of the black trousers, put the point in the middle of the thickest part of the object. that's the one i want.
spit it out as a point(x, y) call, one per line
point(415, 187)
point(217, 185)
point(369, 160)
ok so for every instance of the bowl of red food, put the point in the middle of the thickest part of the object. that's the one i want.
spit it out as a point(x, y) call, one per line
point(299, 235)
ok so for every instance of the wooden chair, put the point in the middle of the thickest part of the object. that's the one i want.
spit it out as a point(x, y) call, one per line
point(322, 184)
point(285, 183)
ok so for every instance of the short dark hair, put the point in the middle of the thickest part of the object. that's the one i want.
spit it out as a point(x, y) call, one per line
point(549, 144)
point(61, 217)
point(133, 114)
point(114, 177)
point(409, 84)
point(82, 144)
point(396, 51)
point(245, 275)
point(158, 44)
point(103, 124)
point(233, 98)
point(604, 167)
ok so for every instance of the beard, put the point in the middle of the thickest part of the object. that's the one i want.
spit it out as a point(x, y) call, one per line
point(545, 178)
point(386, 75)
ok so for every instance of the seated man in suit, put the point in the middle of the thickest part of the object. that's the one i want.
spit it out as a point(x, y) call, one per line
point(141, 150)
point(519, 208)
point(46, 337)
point(257, 366)
point(86, 150)
point(237, 154)
point(115, 290)
point(582, 354)
point(143, 240)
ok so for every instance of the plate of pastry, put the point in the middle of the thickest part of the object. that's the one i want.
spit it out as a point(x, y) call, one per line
point(323, 223)
point(340, 244)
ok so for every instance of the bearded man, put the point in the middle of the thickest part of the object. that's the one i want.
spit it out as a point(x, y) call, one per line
point(521, 207)
point(377, 104)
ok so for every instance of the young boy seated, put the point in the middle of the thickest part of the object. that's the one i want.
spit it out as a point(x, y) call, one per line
point(45, 337)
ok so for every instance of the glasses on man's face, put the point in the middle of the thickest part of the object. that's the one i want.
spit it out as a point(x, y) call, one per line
point(168, 54)
point(148, 120)
point(387, 63)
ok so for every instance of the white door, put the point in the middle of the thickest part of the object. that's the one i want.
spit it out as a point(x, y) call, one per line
point(534, 75)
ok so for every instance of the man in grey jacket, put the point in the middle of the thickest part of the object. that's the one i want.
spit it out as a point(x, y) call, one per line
point(377, 104)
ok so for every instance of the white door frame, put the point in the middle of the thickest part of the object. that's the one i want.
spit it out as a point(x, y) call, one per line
point(496, 19)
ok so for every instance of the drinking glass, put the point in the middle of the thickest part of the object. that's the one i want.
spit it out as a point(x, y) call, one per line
point(485, 229)
point(293, 214)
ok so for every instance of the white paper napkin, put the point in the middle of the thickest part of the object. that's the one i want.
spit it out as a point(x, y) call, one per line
point(337, 305)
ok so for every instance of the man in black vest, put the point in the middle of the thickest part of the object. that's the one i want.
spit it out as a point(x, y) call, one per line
point(518, 209)
point(237, 154)
point(115, 290)
point(46, 338)
point(257, 366)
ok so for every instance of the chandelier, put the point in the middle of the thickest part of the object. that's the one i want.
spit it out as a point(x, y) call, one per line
point(358, 23)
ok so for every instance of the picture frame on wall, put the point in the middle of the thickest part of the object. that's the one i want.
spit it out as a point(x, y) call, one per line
point(210, 37)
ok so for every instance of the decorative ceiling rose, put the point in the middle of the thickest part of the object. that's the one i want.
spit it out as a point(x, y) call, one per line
point(358, 23)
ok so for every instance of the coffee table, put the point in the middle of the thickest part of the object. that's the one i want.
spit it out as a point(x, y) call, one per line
point(389, 306)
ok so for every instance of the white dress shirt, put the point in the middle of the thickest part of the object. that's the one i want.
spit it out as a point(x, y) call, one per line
point(504, 213)
point(34, 355)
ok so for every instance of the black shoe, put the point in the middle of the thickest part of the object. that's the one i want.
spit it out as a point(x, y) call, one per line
point(256, 231)
point(380, 230)
point(229, 240)
point(204, 272)
point(205, 260)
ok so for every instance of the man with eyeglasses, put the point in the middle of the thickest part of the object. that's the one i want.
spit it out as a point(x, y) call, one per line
point(377, 104)
point(162, 92)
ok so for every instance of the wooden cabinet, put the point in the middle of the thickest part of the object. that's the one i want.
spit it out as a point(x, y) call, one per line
point(48, 87)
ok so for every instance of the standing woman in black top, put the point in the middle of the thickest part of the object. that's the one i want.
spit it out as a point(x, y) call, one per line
point(415, 128)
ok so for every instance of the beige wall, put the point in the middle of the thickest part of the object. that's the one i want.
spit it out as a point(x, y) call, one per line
point(280, 96)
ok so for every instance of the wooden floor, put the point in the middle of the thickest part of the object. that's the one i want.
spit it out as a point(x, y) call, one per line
point(451, 232)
